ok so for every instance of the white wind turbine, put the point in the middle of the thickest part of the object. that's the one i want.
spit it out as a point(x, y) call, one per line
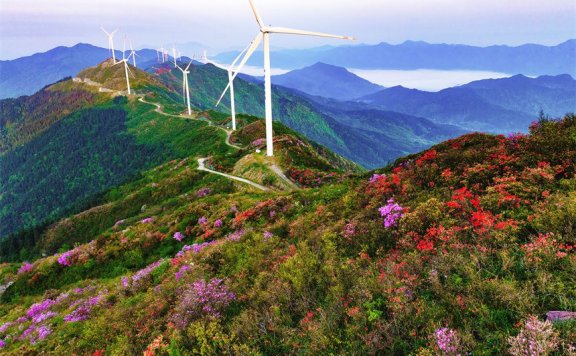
point(110, 42)
point(264, 35)
point(126, 69)
point(185, 86)
point(133, 54)
point(230, 86)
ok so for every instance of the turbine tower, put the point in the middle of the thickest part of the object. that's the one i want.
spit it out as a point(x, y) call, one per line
point(264, 36)
point(185, 85)
point(110, 42)
point(126, 69)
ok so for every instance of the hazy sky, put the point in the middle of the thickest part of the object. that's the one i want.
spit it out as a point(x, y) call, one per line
point(29, 26)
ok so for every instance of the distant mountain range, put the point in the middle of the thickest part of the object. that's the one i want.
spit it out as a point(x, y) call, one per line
point(27, 75)
point(494, 105)
point(529, 59)
point(327, 81)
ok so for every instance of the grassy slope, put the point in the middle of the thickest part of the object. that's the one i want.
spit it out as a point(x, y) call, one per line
point(487, 239)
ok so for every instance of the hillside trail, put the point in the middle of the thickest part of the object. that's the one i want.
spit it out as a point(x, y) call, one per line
point(201, 161)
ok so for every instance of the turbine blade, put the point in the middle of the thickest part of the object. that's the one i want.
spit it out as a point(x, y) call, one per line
point(291, 31)
point(248, 54)
point(256, 14)
point(223, 93)
point(106, 32)
point(239, 56)
point(188, 66)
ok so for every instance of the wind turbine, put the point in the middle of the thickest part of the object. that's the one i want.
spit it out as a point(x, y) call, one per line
point(110, 42)
point(133, 54)
point(230, 86)
point(126, 70)
point(264, 36)
point(185, 86)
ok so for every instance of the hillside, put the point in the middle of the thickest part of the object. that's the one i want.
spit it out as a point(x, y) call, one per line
point(327, 81)
point(459, 249)
point(528, 59)
point(332, 128)
point(493, 105)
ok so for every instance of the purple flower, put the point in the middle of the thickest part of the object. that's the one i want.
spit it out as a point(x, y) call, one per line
point(272, 214)
point(43, 331)
point(447, 340)
point(377, 177)
point(391, 212)
point(147, 220)
point(218, 223)
point(178, 236)
point(350, 230)
point(203, 220)
point(139, 279)
point(200, 299)
point(268, 235)
point(82, 312)
point(181, 271)
point(236, 235)
point(2, 344)
point(39, 308)
point(5, 326)
point(119, 222)
point(65, 259)
point(44, 316)
point(201, 193)
point(26, 267)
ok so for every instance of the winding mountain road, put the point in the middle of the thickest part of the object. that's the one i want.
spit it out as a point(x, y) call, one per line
point(201, 161)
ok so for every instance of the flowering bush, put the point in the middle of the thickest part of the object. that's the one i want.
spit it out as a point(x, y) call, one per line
point(147, 220)
point(201, 193)
point(65, 259)
point(140, 279)
point(83, 309)
point(178, 236)
point(26, 267)
point(391, 213)
point(200, 299)
point(535, 338)
point(447, 341)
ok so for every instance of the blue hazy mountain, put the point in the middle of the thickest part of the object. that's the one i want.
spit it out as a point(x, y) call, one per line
point(27, 75)
point(327, 81)
point(495, 105)
point(529, 59)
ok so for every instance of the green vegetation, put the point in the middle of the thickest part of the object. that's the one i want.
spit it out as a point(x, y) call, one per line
point(477, 245)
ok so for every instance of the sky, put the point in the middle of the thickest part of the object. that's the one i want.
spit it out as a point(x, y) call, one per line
point(30, 26)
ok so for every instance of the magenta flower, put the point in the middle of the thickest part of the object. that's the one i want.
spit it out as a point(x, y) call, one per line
point(39, 308)
point(2, 344)
point(5, 326)
point(26, 267)
point(218, 223)
point(118, 223)
point(200, 299)
point(82, 312)
point(181, 271)
point(178, 236)
point(391, 213)
point(350, 230)
point(147, 220)
point(268, 235)
point(44, 316)
point(447, 340)
point(236, 235)
point(377, 177)
point(201, 193)
point(203, 220)
point(65, 259)
point(43, 331)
